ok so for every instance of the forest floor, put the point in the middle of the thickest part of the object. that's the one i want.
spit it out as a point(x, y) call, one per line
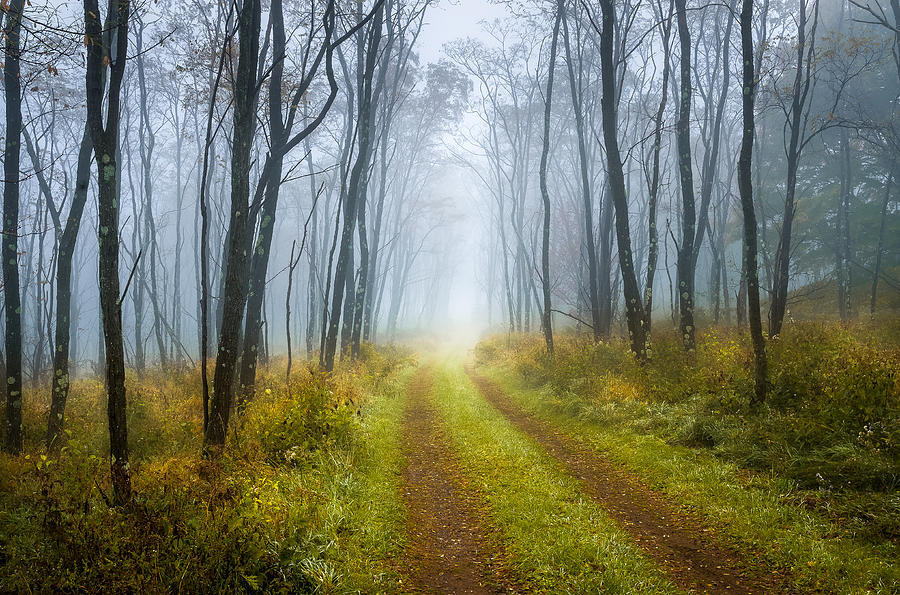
point(496, 470)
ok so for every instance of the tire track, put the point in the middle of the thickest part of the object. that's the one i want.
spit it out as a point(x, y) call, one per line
point(449, 550)
point(684, 548)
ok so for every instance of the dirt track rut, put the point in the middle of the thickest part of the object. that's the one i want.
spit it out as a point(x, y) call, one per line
point(689, 553)
point(449, 549)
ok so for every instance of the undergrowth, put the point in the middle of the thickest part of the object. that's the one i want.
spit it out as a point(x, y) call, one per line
point(831, 424)
point(300, 501)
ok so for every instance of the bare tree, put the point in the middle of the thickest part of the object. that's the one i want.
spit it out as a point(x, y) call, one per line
point(107, 48)
point(547, 314)
point(797, 119)
point(653, 178)
point(239, 227)
point(875, 14)
point(635, 315)
point(266, 196)
point(67, 237)
point(367, 54)
point(686, 260)
point(590, 245)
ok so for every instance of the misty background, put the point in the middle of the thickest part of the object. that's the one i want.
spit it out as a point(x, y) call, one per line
point(458, 235)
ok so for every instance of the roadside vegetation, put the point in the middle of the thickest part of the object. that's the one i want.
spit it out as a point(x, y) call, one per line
point(811, 477)
point(304, 498)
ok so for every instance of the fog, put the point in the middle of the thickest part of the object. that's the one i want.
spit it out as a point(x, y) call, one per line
point(428, 179)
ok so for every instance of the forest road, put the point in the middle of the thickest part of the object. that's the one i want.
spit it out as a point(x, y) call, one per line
point(449, 550)
point(689, 552)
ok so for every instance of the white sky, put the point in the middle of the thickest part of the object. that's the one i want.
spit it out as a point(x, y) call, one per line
point(452, 19)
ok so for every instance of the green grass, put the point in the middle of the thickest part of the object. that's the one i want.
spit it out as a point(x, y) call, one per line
point(372, 503)
point(755, 510)
point(304, 499)
point(359, 525)
point(557, 539)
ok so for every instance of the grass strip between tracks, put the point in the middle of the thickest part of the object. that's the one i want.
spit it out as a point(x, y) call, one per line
point(558, 539)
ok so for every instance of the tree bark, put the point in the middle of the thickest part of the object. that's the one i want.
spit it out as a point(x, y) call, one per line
point(686, 264)
point(634, 309)
point(59, 391)
point(590, 246)
point(10, 253)
point(107, 46)
point(270, 181)
point(344, 266)
point(312, 289)
point(845, 275)
point(711, 159)
point(796, 124)
point(879, 250)
point(547, 313)
point(147, 145)
point(292, 264)
point(239, 228)
point(653, 190)
point(745, 187)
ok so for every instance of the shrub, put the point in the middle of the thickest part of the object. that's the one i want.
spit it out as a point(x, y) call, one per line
point(292, 428)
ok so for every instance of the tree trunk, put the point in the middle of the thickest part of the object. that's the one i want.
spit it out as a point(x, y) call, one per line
point(845, 281)
point(796, 123)
point(312, 289)
point(260, 260)
point(686, 264)
point(653, 190)
point(742, 296)
point(292, 264)
point(344, 265)
point(711, 159)
point(10, 253)
point(61, 375)
point(270, 180)
point(605, 261)
point(137, 245)
point(100, 54)
point(258, 268)
point(239, 228)
point(634, 309)
point(147, 145)
point(745, 186)
point(547, 313)
point(590, 247)
point(370, 325)
point(879, 250)
point(179, 241)
point(360, 300)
